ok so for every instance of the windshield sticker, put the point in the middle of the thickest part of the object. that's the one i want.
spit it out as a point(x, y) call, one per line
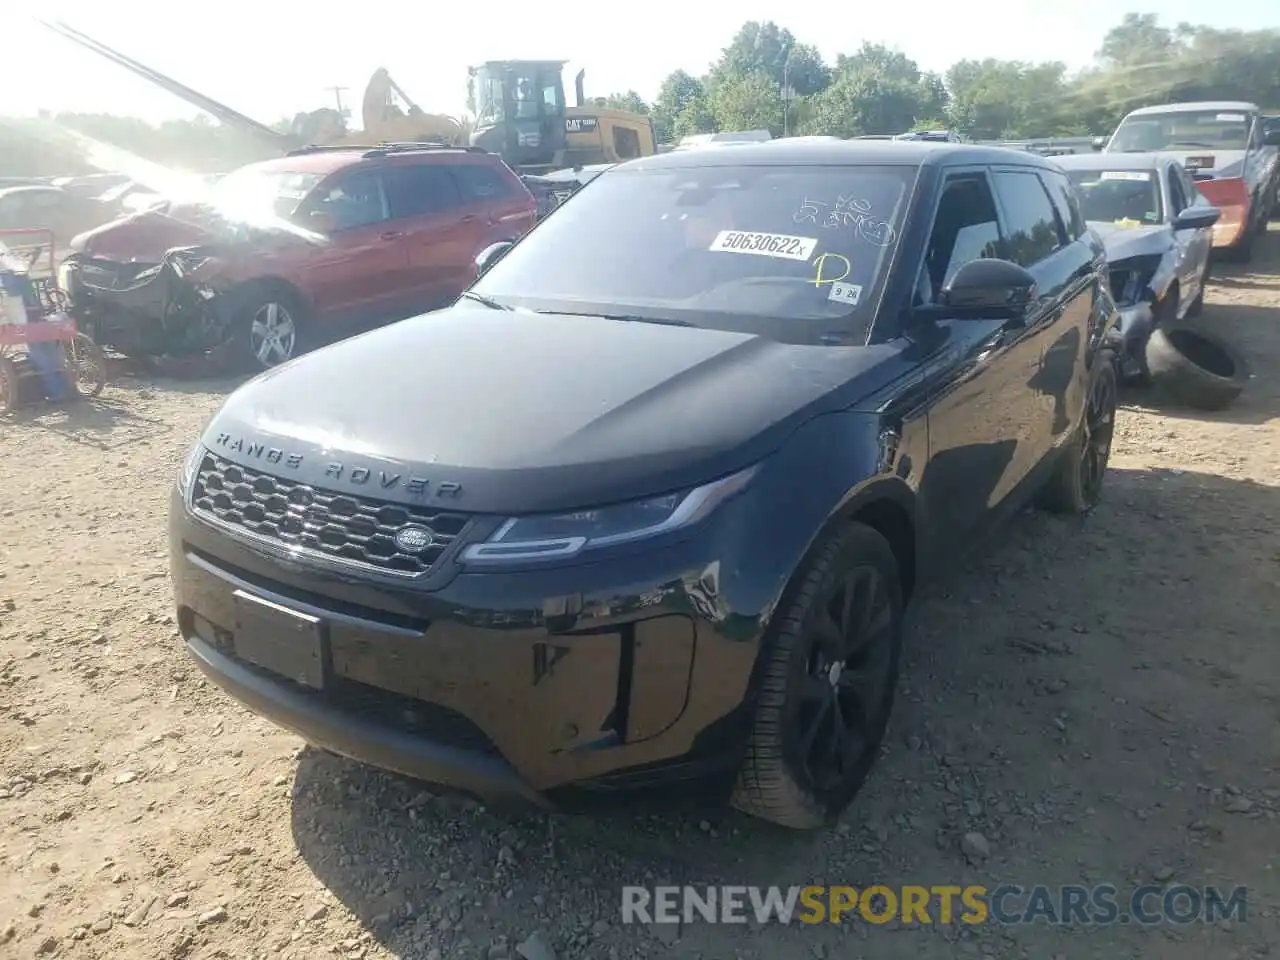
point(847, 211)
point(834, 274)
point(1230, 118)
point(764, 244)
point(1135, 175)
point(849, 293)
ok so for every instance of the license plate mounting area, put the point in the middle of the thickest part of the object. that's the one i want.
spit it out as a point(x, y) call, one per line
point(277, 638)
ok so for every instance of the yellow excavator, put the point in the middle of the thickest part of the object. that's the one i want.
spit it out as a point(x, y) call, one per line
point(384, 119)
point(387, 115)
point(520, 106)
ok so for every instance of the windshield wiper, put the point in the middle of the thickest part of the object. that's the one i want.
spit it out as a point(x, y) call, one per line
point(624, 317)
point(480, 298)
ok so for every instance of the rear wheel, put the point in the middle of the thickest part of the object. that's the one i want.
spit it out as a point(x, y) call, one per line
point(829, 674)
point(1076, 485)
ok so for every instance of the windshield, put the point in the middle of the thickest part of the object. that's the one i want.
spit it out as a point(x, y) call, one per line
point(257, 196)
point(1204, 129)
point(486, 88)
point(798, 254)
point(1117, 196)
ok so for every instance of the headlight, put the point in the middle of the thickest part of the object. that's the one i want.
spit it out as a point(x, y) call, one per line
point(555, 537)
point(1129, 279)
point(189, 467)
point(64, 278)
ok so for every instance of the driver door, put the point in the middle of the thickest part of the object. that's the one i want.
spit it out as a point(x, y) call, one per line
point(980, 408)
point(359, 274)
point(1194, 246)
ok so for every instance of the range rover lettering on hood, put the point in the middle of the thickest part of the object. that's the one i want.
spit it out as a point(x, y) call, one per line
point(334, 472)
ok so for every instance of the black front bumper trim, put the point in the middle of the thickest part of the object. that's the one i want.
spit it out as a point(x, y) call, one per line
point(376, 744)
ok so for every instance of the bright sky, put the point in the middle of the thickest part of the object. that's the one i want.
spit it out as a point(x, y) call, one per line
point(272, 58)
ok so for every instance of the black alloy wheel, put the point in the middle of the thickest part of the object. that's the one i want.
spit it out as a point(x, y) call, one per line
point(1099, 432)
point(840, 698)
point(827, 684)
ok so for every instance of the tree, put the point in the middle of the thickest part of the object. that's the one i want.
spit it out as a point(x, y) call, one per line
point(678, 92)
point(630, 101)
point(764, 48)
point(1138, 38)
point(876, 90)
point(752, 102)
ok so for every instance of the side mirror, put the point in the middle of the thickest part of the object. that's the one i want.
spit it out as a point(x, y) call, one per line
point(1194, 218)
point(491, 255)
point(988, 289)
point(321, 221)
point(1098, 143)
point(1271, 138)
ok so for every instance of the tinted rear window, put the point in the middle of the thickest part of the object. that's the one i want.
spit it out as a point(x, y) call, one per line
point(481, 182)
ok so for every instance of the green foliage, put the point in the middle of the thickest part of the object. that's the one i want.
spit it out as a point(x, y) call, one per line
point(630, 101)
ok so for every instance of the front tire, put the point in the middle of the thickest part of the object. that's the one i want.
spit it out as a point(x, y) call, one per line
point(267, 328)
point(829, 673)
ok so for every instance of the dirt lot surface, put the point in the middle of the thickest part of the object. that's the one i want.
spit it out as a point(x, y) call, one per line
point(1097, 700)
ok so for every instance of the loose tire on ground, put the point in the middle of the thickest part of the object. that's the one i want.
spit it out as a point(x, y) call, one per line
point(1197, 367)
point(775, 782)
point(1076, 484)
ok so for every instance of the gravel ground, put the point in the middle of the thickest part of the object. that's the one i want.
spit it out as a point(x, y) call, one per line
point(1096, 700)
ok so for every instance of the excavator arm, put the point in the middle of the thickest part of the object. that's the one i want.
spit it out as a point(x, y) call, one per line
point(221, 111)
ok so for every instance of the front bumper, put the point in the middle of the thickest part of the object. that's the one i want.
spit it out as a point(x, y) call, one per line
point(532, 685)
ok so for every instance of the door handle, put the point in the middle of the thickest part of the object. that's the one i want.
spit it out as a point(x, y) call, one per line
point(470, 218)
point(392, 235)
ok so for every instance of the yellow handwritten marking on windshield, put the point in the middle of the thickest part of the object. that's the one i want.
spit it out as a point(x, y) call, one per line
point(819, 268)
point(1128, 223)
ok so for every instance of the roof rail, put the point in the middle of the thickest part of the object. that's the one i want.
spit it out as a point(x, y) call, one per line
point(380, 149)
point(383, 149)
point(325, 148)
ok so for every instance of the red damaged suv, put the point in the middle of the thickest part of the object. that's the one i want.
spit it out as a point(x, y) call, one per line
point(352, 235)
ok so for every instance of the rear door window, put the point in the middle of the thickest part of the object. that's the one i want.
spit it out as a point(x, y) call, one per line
point(425, 189)
point(1068, 206)
point(1032, 229)
point(481, 183)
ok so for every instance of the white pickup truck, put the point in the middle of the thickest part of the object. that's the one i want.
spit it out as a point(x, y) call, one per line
point(1225, 145)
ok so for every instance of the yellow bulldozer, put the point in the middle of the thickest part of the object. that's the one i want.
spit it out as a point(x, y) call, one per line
point(521, 113)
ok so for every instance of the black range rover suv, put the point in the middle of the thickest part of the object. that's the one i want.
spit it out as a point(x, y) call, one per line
point(646, 504)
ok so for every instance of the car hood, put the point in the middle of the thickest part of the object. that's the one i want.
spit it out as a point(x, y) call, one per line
point(140, 237)
point(530, 412)
point(1122, 242)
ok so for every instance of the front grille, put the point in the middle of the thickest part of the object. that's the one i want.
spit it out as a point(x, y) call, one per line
point(341, 526)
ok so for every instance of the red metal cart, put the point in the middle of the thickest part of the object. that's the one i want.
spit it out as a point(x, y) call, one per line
point(42, 354)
